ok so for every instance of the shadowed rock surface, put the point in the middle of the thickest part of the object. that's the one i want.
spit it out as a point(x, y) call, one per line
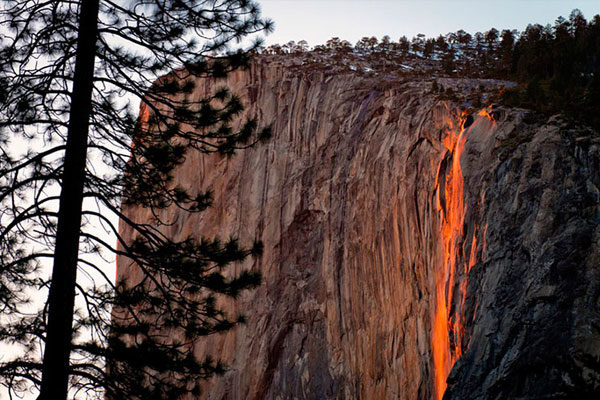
point(345, 199)
point(536, 296)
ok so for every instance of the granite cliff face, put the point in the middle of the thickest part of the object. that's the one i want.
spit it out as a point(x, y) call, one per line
point(402, 238)
point(534, 298)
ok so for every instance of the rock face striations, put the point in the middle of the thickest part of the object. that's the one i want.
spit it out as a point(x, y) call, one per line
point(402, 238)
point(534, 298)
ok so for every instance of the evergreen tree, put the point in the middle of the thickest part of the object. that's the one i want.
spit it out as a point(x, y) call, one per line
point(403, 46)
point(505, 52)
point(441, 44)
point(70, 72)
point(428, 48)
point(491, 38)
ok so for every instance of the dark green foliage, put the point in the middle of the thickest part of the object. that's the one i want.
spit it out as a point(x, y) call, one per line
point(429, 47)
point(151, 53)
point(449, 63)
point(403, 45)
point(557, 68)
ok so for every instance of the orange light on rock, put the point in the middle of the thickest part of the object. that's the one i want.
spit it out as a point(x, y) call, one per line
point(448, 329)
point(487, 112)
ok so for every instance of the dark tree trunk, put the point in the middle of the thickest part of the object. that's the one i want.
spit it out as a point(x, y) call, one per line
point(55, 372)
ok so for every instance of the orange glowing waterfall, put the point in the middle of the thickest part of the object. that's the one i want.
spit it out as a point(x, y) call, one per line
point(447, 328)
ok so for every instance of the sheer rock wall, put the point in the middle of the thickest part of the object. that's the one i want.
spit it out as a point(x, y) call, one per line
point(535, 296)
point(346, 199)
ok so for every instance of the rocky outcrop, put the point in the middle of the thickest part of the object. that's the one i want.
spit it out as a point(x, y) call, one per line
point(350, 198)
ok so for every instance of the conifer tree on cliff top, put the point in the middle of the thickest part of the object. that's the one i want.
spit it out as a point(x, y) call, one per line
point(70, 72)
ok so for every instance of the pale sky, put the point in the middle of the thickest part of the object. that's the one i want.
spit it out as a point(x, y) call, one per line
point(316, 21)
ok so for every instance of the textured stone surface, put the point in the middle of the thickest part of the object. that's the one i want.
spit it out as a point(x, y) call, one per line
point(536, 328)
point(344, 198)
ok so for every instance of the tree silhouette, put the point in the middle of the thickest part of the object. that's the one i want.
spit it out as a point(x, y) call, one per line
point(403, 45)
point(70, 72)
point(428, 48)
